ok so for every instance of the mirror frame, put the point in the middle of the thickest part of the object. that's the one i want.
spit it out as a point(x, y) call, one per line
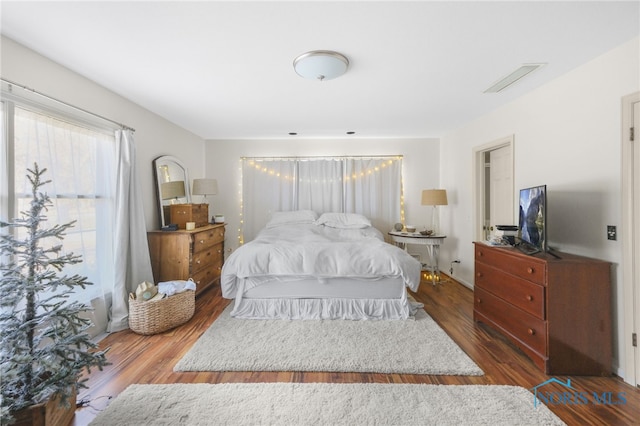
point(168, 160)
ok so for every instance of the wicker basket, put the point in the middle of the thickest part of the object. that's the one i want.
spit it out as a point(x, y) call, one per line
point(156, 316)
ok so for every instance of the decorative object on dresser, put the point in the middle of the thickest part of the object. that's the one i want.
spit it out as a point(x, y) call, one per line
point(435, 198)
point(205, 187)
point(557, 310)
point(182, 213)
point(180, 255)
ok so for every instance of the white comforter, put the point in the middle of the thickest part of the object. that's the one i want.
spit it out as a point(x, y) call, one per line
point(318, 251)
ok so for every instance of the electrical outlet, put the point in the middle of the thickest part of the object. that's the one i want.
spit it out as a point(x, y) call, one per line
point(451, 267)
point(612, 233)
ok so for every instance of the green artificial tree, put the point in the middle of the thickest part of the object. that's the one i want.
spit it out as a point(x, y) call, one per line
point(44, 348)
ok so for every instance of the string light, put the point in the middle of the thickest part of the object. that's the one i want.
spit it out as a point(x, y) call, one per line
point(367, 173)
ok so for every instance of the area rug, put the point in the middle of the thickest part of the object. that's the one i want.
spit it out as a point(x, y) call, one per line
point(324, 404)
point(415, 346)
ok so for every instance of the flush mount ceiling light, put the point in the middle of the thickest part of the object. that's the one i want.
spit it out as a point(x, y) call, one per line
point(507, 81)
point(321, 65)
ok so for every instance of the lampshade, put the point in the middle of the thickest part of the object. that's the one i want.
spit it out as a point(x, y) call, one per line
point(321, 65)
point(205, 187)
point(172, 190)
point(434, 197)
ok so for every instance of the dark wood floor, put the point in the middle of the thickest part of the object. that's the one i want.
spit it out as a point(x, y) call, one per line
point(150, 359)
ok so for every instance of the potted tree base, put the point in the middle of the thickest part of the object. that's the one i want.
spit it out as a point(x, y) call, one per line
point(43, 345)
point(54, 412)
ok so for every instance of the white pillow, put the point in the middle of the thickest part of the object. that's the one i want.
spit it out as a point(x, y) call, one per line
point(343, 220)
point(291, 218)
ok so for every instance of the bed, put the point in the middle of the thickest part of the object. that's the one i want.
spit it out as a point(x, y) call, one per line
point(336, 266)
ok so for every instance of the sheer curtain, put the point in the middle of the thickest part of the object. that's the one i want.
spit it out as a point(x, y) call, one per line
point(132, 263)
point(371, 186)
point(79, 163)
point(320, 185)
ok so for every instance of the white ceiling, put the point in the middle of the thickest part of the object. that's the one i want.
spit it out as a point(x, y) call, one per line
point(223, 70)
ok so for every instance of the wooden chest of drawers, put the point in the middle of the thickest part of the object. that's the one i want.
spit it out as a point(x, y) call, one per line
point(558, 311)
point(180, 255)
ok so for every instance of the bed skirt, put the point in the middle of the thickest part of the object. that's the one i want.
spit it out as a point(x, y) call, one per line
point(326, 309)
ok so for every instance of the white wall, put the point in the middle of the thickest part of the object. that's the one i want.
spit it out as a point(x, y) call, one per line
point(567, 136)
point(420, 169)
point(154, 135)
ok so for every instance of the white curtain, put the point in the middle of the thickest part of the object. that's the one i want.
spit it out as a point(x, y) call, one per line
point(80, 190)
point(371, 186)
point(132, 263)
point(320, 185)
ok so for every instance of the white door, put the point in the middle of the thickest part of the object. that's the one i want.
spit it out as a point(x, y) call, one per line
point(501, 205)
point(493, 186)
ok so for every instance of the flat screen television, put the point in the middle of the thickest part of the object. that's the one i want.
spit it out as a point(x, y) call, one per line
point(533, 219)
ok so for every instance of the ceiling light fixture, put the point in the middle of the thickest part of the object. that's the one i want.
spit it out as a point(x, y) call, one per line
point(516, 75)
point(321, 65)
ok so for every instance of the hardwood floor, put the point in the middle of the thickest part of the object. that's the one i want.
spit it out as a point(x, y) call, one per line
point(150, 359)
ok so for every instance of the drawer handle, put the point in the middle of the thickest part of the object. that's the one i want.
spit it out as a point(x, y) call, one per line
point(198, 261)
point(530, 270)
point(478, 274)
point(219, 251)
point(530, 298)
point(531, 331)
point(479, 300)
point(201, 241)
point(480, 254)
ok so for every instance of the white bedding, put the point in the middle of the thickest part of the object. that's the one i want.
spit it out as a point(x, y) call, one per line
point(281, 257)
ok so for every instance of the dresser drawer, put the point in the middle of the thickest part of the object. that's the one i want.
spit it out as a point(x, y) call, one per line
point(528, 268)
point(205, 239)
point(521, 293)
point(530, 331)
point(207, 257)
point(206, 275)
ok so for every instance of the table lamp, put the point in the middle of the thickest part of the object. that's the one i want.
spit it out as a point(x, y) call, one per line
point(435, 198)
point(205, 187)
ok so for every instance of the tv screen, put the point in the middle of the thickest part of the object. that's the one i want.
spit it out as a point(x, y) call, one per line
point(533, 217)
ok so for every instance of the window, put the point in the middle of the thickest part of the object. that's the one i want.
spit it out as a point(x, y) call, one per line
point(80, 165)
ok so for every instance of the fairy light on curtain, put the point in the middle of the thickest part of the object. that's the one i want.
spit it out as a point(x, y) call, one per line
point(370, 185)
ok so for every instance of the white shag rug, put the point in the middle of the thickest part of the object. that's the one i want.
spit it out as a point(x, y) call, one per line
point(324, 404)
point(415, 346)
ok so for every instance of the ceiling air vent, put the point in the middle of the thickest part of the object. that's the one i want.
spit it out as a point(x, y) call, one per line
point(507, 81)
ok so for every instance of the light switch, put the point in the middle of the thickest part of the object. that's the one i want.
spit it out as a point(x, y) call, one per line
point(612, 234)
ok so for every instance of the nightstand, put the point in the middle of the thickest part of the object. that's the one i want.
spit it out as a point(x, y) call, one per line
point(432, 242)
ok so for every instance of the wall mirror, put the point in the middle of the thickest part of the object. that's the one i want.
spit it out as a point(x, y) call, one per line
point(172, 185)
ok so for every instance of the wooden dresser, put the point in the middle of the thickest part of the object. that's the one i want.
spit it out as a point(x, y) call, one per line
point(558, 311)
point(180, 255)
